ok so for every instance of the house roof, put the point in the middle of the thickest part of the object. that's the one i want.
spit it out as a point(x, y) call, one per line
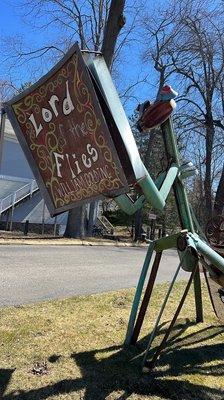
point(9, 132)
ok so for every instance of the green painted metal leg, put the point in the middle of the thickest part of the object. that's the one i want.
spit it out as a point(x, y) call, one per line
point(138, 293)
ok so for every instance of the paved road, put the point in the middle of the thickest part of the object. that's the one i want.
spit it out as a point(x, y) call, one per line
point(32, 273)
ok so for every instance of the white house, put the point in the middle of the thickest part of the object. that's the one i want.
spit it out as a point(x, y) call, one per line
point(17, 183)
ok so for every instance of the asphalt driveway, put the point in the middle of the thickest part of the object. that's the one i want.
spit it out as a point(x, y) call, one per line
point(30, 273)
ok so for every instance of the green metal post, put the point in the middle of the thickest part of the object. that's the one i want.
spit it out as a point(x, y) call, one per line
point(168, 242)
point(182, 205)
point(138, 294)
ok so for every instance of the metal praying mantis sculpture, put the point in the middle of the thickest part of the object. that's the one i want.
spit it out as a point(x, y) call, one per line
point(190, 242)
point(79, 145)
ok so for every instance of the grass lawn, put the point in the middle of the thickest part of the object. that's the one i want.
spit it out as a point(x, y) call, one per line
point(72, 349)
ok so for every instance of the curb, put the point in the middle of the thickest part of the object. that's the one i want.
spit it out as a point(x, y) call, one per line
point(68, 242)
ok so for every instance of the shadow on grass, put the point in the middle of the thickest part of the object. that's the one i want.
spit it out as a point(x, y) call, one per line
point(5, 376)
point(120, 371)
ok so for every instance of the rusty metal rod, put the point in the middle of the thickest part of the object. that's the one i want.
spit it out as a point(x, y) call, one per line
point(146, 298)
point(209, 290)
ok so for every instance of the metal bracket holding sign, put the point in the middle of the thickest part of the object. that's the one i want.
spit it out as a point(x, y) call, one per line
point(62, 130)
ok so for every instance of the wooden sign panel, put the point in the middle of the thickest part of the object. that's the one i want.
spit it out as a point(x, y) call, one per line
point(62, 130)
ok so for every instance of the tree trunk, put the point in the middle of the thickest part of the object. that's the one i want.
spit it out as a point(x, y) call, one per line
point(147, 158)
point(115, 23)
point(219, 198)
point(92, 217)
point(208, 166)
point(76, 220)
point(138, 225)
point(76, 223)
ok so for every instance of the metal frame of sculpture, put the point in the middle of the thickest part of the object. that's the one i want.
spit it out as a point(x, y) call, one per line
point(190, 243)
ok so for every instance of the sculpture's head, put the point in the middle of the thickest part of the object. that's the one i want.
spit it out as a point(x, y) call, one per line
point(166, 94)
point(152, 115)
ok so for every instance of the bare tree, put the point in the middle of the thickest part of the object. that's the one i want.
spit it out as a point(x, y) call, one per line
point(76, 217)
point(96, 24)
point(115, 23)
point(189, 50)
point(6, 90)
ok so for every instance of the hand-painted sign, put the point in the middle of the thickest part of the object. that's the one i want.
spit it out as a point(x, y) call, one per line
point(63, 133)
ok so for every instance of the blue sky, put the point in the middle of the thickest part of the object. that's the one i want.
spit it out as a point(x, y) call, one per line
point(13, 25)
point(9, 22)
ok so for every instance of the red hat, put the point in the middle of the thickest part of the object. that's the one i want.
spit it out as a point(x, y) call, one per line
point(166, 89)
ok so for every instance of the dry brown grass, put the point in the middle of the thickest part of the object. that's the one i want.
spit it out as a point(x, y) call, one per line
point(72, 349)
